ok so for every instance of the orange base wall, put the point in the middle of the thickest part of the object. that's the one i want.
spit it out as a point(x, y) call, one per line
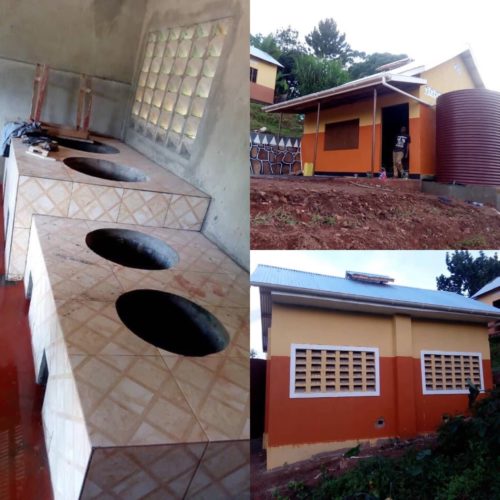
point(405, 409)
point(422, 149)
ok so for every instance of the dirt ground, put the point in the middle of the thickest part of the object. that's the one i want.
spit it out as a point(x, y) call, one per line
point(359, 213)
point(265, 484)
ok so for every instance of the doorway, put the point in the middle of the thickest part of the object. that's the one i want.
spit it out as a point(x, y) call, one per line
point(393, 118)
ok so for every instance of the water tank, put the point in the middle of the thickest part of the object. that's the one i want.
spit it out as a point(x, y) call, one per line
point(468, 137)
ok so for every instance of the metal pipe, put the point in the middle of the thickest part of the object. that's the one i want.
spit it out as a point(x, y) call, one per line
point(373, 128)
point(317, 134)
point(385, 84)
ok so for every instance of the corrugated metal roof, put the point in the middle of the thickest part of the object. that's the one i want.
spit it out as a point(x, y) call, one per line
point(264, 56)
point(489, 287)
point(318, 284)
point(405, 74)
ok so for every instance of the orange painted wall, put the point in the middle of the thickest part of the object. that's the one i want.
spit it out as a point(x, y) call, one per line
point(406, 410)
point(431, 408)
point(427, 140)
point(315, 420)
point(422, 149)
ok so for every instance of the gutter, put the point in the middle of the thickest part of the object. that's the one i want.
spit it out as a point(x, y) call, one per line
point(395, 89)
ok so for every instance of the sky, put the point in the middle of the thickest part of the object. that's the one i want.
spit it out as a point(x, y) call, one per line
point(416, 268)
point(426, 31)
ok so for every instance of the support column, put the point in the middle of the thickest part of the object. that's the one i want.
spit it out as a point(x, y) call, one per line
point(406, 416)
point(317, 134)
point(374, 117)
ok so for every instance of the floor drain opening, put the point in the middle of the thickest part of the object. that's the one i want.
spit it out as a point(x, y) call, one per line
point(132, 249)
point(89, 147)
point(105, 169)
point(172, 323)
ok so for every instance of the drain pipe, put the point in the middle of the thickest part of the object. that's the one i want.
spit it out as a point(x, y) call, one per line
point(395, 89)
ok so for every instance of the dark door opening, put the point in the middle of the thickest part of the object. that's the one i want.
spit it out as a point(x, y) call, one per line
point(393, 118)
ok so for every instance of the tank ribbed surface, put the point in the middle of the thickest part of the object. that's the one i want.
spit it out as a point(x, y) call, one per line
point(468, 137)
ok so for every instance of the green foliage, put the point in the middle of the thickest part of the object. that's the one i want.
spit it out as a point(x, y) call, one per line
point(327, 42)
point(371, 62)
point(463, 465)
point(468, 275)
point(318, 74)
point(291, 125)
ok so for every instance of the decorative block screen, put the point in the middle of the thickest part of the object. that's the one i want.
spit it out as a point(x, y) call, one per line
point(447, 372)
point(175, 81)
point(333, 371)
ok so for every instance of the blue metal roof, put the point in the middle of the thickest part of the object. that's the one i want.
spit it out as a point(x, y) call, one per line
point(260, 54)
point(492, 285)
point(319, 284)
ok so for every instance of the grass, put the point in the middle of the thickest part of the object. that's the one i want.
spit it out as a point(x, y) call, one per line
point(463, 465)
point(472, 242)
point(279, 215)
point(291, 125)
point(327, 220)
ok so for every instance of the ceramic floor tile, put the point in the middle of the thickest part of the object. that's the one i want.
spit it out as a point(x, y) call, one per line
point(42, 196)
point(142, 471)
point(86, 282)
point(18, 252)
point(186, 212)
point(145, 208)
point(95, 202)
point(218, 391)
point(93, 327)
point(120, 409)
point(224, 472)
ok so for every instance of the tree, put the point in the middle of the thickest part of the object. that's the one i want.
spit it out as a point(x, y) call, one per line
point(327, 42)
point(370, 63)
point(315, 74)
point(468, 275)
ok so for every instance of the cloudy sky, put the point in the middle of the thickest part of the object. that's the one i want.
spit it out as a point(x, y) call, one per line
point(424, 30)
point(408, 268)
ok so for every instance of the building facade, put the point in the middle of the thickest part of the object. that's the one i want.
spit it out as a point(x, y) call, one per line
point(359, 359)
point(263, 72)
point(352, 128)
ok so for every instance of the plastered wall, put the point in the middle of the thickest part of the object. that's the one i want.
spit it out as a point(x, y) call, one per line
point(219, 157)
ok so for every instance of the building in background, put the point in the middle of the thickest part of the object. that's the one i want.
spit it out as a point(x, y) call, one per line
point(352, 128)
point(360, 359)
point(263, 71)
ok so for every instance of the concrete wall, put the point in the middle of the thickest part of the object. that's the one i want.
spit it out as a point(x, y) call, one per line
point(218, 164)
point(99, 37)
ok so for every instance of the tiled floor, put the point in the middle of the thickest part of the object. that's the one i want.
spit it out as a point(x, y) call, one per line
point(24, 472)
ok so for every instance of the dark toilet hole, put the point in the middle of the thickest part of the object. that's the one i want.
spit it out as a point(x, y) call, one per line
point(105, 169)
point(172, 322)
point(132, 248)
point(89, 147)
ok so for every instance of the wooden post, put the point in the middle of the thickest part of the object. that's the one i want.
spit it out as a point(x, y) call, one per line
point(317, 137)
point(373, 128)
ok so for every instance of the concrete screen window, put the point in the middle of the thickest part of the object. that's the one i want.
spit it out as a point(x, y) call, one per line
point(175, 80)
point(333, 371)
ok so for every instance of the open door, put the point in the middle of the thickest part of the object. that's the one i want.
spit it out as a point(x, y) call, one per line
point(393, 118)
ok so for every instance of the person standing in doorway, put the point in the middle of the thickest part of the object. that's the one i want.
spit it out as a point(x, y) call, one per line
point(399, 152)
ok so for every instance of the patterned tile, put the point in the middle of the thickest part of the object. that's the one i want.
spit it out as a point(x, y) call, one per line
point(41, 196)
point(186, 212)
point(122, 406)
point(93, 327)
point(142, 471)
point(145, 208)
point(17, 255)
point(95, 202)
point(224, 472)
point(218, 391)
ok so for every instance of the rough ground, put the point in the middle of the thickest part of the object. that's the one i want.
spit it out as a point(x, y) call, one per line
point(266, 484)
point(354, 213)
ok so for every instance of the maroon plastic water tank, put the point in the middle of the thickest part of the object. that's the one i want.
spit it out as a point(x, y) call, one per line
point(468, 137)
